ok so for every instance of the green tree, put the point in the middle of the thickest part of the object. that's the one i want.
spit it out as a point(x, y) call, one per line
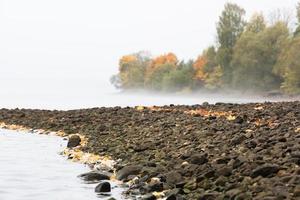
point(297, 32)
point(256, 24)
point(131, 71)
point(288, 67)
point(155, 80)
point(229, 28)
point(255, 56)
point(180, 78)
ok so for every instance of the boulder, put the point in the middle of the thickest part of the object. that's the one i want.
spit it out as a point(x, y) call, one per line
point(94, 176)
point(103, 187)
point(127, 171)
point(74, 141)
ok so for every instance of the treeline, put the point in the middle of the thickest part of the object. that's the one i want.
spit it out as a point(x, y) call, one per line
point(249, 55)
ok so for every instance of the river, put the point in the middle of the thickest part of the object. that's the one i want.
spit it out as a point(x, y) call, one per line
point(32, 169)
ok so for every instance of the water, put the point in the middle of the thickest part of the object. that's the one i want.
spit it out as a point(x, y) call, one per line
point(32, 169)
point(88, 99)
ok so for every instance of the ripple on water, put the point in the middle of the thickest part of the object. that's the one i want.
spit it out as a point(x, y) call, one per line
point(31, 169)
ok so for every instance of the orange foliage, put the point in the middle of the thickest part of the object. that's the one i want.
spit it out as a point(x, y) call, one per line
point(125, 60)
point(128, 59)
point(170, 58)
point(199, 68)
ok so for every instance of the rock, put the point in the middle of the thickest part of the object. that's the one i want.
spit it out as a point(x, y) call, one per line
point(225, 171)
point(127, 171)
point(238, 139)
point(94, 176)
point(231, 194)
point(152, 187)
point(173, 178)
point(238, 120)
point(297, 191)
point(172, 195)
point(103, 187)
point(74, 141)
point(221, 181)
point(208, 196)
point(148, 197)
point(265, 170)
point(199, 159)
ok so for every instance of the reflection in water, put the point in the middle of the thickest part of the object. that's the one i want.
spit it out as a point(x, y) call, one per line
point(31, 169)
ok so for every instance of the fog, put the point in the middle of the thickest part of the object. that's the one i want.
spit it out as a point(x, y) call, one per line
point(62, 53)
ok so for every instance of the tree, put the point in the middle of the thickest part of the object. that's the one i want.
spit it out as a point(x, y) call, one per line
point(159, 67)
point(180, 78)
point(213, 80)
point(256, 24)
point(229, 28)
point(297, 32)
point(288, 67)
point(131, 71)
point(282, 15)
point(255, 56)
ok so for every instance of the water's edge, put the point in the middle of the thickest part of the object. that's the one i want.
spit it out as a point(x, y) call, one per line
point(88, 161)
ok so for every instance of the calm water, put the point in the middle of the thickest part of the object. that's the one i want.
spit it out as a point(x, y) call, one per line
point(76, 100)
point(32, 169)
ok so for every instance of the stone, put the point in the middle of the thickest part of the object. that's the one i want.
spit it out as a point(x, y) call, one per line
point(199, 159)
point(238, 139)
point(94, 176)
point(173, 178)
point(103, 187)
point(148, 197)
point(74, 141)
point(264, 170)
point(127, 171)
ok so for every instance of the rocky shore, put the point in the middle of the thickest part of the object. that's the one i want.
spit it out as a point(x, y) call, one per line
point(221, 151)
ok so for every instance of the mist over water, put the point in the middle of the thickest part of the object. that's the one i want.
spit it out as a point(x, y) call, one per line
point(76, 99)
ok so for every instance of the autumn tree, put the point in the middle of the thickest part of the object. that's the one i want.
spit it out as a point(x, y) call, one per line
point(160, 67)
point(132, 71)
point(229, 28)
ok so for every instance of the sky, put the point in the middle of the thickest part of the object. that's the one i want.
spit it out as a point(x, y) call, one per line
point(61, 47)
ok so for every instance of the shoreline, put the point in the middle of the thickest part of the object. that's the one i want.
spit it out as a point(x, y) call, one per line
point(99, 164)
point(243, 151)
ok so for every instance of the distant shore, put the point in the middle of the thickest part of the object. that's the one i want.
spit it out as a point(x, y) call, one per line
point(235, 151)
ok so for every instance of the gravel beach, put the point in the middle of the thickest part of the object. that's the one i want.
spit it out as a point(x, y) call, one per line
point(219, 151)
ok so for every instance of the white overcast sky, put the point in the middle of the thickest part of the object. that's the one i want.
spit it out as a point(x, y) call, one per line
point(52, 46)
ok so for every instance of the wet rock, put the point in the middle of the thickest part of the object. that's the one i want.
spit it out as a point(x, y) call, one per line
point(198, 159)
point(74, 141)
point(127, 171)
point(265, 170)
point(103, 187)
point(94, 176)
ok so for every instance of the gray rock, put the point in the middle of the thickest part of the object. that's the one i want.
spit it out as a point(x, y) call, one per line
point(94, 176)
point(265, 170)
point(127, 171)
point(173, 178)
point(74, 141)
point(199, 159)
point(103, 187)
